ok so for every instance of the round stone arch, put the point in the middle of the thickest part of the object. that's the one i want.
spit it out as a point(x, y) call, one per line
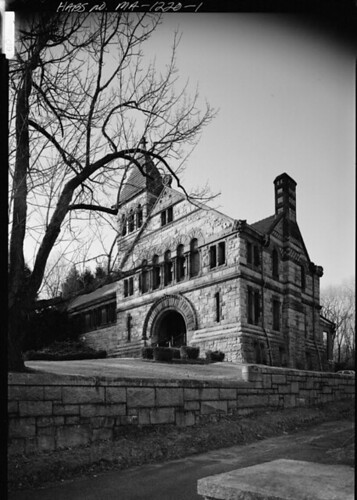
point(174, 303)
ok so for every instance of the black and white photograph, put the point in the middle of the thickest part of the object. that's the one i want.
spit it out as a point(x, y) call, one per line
point(181, 250)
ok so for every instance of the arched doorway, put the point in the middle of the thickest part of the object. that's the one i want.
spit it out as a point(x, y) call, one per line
point(169, 329)
point(171, 313)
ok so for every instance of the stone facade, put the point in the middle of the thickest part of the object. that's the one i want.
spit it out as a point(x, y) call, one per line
point(48, 412)
point(192, 275)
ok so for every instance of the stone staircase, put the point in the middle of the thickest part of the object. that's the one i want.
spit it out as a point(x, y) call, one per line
point(129, 350)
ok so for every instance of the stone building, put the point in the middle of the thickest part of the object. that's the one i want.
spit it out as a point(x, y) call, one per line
point(192, 275)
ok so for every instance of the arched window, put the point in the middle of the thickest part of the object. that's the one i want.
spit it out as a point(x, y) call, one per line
point(131, 222)
point(275, 263)
point(180, 263)
point(167, 268)
point(194, 258)
point(123, 225)
point(144, 277)
point(139, 216)
point(155, 272)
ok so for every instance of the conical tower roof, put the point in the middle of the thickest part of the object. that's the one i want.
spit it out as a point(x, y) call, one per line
point(146, 179)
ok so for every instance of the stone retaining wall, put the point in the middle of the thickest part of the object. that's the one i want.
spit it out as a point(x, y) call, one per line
point(48, 412)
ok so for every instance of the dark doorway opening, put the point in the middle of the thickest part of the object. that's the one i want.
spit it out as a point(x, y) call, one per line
point(170, 330)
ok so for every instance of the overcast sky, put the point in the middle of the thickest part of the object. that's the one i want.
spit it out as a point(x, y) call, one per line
point(286, 99)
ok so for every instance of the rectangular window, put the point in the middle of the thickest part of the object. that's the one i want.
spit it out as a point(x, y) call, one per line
point(282, 356)
point(128, 327)
point(104, 315)
point(112, 312)
point(253, 254)
point(256, 256)
point(145, 281)
point(167, 216)
point(221, 253)
point(249, 253)
point(87, 321)
point(276, 315)
point(250, 305)
point(218, 306)
point(303, 278)
point(212, 257)
point(253, 304)
point(131, 286)
point(156, 276)
point(217, 254)
point(256, 307)
point(128, 287)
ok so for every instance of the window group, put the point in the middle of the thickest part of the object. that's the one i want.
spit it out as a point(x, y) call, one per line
point(159, 273)
point(132, 220)
point(93, 319)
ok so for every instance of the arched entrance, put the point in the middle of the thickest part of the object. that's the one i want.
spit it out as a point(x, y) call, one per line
point(169, 329)
point(172, 318)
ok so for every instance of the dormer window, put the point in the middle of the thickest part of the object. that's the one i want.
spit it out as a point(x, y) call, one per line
point(139, 216)
point(166, 216)
point(123, 225)
point(217, 254)
point(131, 222)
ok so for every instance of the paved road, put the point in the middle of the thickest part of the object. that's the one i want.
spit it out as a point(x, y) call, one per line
point(177, 480)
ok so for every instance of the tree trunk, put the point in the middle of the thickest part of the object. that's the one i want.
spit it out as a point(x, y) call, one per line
point(16, 333)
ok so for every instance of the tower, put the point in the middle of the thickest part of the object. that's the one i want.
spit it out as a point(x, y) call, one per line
point(138, 196)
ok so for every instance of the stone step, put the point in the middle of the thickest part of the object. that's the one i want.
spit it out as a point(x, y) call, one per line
point(132, 350)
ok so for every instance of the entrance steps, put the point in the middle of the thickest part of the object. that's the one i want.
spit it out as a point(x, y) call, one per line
point(129, 350)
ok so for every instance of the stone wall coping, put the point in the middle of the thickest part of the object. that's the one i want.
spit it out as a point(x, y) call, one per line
point(250, 374)
point(32, 379)
point(264, 369)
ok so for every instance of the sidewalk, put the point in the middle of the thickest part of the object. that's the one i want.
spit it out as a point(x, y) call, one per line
point(177, 479)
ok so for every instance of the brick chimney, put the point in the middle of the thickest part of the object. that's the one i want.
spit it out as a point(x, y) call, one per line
point(285, 196)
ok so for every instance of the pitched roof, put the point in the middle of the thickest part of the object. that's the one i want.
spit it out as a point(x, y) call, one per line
point(265, 225)
point(138, 181)
point(98, 295)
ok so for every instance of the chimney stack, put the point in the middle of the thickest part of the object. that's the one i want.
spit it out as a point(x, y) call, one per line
point(285, 196)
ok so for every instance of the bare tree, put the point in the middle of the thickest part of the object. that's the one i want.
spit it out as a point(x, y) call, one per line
point(338, 305)
point(83, 98)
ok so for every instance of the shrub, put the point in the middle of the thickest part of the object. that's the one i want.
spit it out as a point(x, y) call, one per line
point(66, 350)
point(147, 352)
point(176, 353)
point(189, 352)
point(162, 353)
point(215, 356)
point(45, 327)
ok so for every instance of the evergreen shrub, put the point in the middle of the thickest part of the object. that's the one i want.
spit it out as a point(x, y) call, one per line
point(147, 352)
point(189, 352)
point(163, 353)
point(214, 356)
